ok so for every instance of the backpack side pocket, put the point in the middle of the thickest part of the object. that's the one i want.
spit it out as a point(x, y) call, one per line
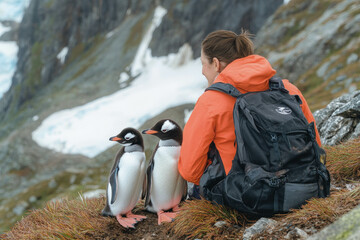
point(213, 174)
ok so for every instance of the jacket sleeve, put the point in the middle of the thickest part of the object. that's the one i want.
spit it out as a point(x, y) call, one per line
point(304, 106)
point(198, 134)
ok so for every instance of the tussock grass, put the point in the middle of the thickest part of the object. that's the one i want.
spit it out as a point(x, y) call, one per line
point(65, 219)
point(323, 211)
point(343, 161)
point(198, 217)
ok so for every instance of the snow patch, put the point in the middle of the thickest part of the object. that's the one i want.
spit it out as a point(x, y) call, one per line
point(160, 83)
point(62, 54)
point(8, 52)
point(286, 1)
point(143, 54)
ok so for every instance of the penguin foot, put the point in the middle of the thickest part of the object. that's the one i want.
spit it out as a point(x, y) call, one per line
point(165, 217)
point(126, 222)
point(136, 217)
point(176, 209)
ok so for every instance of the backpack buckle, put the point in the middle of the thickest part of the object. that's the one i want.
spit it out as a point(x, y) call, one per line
point(275, 182)
point(274, 85)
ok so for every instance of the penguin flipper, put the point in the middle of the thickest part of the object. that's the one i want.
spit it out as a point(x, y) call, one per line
point(148, 179)
point(113, 184)
point(185, 191)
point(144, 188)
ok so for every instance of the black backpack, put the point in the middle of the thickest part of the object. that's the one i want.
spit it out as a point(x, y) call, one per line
point(278, 164)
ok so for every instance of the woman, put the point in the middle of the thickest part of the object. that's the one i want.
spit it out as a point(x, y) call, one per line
point(228, 58)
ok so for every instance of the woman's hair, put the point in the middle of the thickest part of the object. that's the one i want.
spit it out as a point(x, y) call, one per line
point(227, 45)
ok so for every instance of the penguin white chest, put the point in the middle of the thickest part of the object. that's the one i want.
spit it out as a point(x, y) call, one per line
point(129, 182)
point(166, 183)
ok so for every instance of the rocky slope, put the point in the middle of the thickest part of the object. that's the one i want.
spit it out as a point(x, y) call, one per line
point(316, 45)
point(72, 52)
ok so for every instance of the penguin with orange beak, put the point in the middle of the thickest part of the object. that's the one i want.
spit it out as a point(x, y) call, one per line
point(165, 187)
point(126, 178)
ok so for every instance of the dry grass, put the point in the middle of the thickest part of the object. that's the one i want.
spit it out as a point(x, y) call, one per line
point(198, 217)
point(343, 161)
point(65, 219)
point(323, 211)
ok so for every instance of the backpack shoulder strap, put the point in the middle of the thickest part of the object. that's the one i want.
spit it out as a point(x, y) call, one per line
point(225, 88)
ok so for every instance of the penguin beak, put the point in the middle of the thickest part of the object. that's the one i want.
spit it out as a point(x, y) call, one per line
point(149, 131)
point(115, 139)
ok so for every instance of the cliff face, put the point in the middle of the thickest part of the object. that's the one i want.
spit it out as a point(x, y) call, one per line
point(72, 52)
point(316, 45)
point(191, 21)
point(48, 27)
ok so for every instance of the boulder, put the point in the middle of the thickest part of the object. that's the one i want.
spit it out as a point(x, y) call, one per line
point(340, 120)
point(346, 227)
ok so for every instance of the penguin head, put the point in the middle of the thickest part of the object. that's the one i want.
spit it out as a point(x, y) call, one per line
point(166, 129)
point(128, 137)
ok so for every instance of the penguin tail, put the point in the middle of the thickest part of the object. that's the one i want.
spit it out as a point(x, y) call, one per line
point(106, 213)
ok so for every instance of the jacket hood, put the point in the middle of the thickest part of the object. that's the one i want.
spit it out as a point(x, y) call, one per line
point(248, 74)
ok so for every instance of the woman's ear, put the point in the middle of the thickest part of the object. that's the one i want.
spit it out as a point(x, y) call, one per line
point(217, 64)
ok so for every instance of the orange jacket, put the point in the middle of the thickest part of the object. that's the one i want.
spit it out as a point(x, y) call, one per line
point(212, 117)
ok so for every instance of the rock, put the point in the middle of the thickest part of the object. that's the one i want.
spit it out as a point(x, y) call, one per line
point(347, 227)
point(12, 34)
point(72, 179)
point(311, 230)
point(33, 199)
point(20, 208)
point(95, 194)
point(52, 183)
point(340, 78)
point(340, 120)
point(262, 225)
point(352, 58)
point(296, 233)
point(220, 224)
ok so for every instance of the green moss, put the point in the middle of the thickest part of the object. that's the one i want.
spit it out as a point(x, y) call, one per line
point(136, 33)
point(292, 32)
point(33, 76)
point(83, 50)
point(84, 67)
point(49, 4)
point(75, 53)
point(311, 82)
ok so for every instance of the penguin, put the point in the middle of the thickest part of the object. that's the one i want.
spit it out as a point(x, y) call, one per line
point(126, 178)
point(165, 188)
